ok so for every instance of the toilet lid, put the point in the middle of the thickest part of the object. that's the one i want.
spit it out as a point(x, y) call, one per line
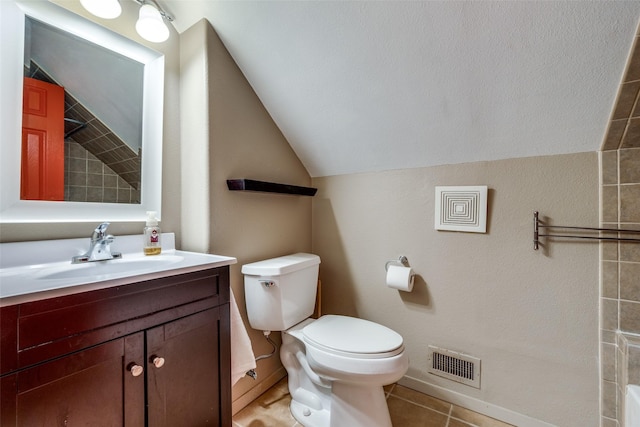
point(351, 336)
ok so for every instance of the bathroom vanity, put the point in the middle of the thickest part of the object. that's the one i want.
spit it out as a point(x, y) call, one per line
point(148, 349)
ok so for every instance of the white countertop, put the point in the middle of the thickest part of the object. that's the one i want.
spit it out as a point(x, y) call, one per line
point(31, 271)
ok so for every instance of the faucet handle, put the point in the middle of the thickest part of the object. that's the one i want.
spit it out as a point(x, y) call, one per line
point(100, 231)
point(100, 249)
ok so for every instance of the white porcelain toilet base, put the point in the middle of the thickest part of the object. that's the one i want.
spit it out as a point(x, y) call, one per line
point(325, 397)
point(309, 417)
point(351, 406)
point(358, 406)
point(310, 401)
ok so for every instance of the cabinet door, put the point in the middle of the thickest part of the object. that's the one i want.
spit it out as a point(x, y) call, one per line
point(183, 389)
point(88, 388)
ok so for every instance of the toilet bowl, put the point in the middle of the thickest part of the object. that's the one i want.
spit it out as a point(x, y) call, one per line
point(350, 360)
point(337, 365)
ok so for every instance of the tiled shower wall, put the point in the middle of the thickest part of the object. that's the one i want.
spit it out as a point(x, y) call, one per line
point(620, 261)
point(88, 179)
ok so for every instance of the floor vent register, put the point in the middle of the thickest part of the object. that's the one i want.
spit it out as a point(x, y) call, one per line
point(454, 366)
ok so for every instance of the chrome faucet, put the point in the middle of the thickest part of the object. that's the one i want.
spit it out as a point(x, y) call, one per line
point(100, 249)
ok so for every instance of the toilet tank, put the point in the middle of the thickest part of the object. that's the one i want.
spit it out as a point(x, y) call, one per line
point(280, 292)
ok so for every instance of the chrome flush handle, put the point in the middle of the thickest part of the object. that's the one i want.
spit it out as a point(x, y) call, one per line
point(267, 283)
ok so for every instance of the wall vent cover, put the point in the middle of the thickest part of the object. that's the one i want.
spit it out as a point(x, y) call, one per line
point(454, 366)
point(461, 208)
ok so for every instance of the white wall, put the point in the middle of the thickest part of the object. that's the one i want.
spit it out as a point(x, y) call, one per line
point(227, 134)
point(532, 317)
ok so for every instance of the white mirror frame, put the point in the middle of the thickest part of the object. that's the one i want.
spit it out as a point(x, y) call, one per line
point(14, 210)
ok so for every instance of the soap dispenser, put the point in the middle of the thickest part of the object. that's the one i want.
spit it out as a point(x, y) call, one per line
point(152, 244)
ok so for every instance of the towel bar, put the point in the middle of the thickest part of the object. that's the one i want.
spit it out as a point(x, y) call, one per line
point(537, 225)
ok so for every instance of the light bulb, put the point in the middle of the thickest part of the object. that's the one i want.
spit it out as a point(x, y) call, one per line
point(150, 25)
point(107, 9)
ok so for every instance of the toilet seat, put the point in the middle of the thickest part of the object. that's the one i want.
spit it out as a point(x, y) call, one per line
point(352, 337)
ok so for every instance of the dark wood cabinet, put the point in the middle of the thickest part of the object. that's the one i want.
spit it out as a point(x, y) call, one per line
point(182, 393)
point(154, 353)
point(84, 388)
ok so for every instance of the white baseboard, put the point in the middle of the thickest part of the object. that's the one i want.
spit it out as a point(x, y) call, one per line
point(243, 401)
point(476, 405)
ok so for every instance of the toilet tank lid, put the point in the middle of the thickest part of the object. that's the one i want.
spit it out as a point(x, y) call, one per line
point(281, 265)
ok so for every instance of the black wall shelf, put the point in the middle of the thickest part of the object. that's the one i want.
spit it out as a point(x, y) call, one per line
point(269, 187)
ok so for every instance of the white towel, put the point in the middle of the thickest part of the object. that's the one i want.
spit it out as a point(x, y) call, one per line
point(242, 357)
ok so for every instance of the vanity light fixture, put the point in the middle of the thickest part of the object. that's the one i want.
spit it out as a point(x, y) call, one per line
point(107, 9)
point(150, 25)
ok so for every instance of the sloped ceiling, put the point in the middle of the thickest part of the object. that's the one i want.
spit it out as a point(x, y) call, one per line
point(86, 71)
point(361, 86)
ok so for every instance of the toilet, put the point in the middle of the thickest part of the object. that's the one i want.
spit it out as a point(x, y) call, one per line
point(337, 365)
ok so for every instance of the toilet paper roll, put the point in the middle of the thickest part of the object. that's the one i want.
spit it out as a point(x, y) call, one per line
point(401, 278)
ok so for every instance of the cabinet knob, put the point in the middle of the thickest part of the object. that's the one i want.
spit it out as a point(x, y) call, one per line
point(157, 361)
point(136, 370)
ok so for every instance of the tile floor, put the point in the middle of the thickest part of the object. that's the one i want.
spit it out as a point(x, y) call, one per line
point(408, 408)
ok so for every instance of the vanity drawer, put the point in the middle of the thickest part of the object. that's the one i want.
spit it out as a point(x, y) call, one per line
point(41, 330)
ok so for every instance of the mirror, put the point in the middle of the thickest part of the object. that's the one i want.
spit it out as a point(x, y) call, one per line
point(94, 119)
point(16, 18)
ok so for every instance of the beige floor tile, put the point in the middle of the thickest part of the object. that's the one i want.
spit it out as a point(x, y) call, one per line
point(407, 408)
point(476, 419)
point(269, 410)
point(421, 399)
point(406, 414)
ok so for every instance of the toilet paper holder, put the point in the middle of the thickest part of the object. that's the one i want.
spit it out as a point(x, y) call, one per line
point(403, 260)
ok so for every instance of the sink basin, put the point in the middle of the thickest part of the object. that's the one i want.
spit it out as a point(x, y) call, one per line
point(106, 268)
point(43, 269)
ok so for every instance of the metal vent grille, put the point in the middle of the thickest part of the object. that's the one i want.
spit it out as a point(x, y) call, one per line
point(454, 366)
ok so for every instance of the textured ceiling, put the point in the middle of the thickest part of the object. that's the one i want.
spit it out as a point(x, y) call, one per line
point(360, 86)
